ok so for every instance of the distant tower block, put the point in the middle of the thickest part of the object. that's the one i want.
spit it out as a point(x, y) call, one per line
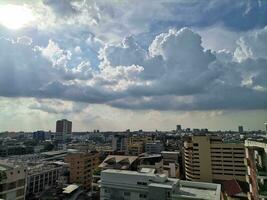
point(265, 126)
point(240, 129)
point(178, 127)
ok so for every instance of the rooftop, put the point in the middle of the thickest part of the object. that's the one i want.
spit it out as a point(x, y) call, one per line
point(184, 189)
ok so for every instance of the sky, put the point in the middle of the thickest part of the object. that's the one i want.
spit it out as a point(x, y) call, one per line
point(133, 64)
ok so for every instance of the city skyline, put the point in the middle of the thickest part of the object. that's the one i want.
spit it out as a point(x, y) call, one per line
point(116, 65)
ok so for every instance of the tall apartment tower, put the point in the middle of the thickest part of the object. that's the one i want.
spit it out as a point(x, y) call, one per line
point(256, 162)
point(82, 165)
point(178, 127)
point(240, 129)
point(120, 143)
point(63, 130)
point(210, 159)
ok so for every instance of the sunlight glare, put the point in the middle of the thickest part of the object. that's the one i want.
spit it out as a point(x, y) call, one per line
point(15, 16)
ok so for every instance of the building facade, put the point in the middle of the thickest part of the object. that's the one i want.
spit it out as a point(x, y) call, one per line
point(210, 159)
point(120, 143)
point(131, 185)
point(256, 162)
point(153, 147)
point(12, 181)
point(82, 166)
point(63, 130)
point(42, 177)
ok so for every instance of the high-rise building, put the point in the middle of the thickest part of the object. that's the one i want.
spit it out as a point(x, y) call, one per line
point(63, 130)
point(82, 165)
point(240, 129)
point(120, 143)
point(256, 162)
point(12, 181)
point(132, 185)
point(178, 127)
point(210, 159)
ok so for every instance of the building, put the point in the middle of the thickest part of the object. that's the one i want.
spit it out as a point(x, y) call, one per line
point(240, 129)
point(140, 139)
point(151, 161)
point(171, 163)
point(136, 144)
point(12, 181)
point(82, 165)
point(120, 143)
point(153, 147)
point(131, 185)
point(66, 192)
point(210, 159)
point(119, 162)
point(38, 136)
point(178, 128)
point(256, 162)
point(15, 149)
point(136, 149)
point(63, 130)
point(42, 177)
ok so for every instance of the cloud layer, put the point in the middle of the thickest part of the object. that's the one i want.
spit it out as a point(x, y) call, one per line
point(175, 72)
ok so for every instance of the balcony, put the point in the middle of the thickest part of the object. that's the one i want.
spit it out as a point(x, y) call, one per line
point(263, 190)
point(262, 175)
point(261, 172)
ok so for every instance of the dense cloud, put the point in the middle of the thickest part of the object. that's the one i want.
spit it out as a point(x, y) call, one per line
point(174, 73)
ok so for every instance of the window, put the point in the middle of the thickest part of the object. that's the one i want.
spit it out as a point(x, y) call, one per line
point(21, 182)
point(127, 194)
point(195, 144)
point(107, 191)
point(20, 192)
point(141, 183)
point(142, 195)
point(11, 185)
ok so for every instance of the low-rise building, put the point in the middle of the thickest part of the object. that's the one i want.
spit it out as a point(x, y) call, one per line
point(43, 176)
point(119, 162)
point(154, 147)
point(12, 181)
point(135, 149)
point(131, 185)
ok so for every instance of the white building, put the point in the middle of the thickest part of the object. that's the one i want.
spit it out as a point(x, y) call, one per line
point(131, 185)
point(12, 181)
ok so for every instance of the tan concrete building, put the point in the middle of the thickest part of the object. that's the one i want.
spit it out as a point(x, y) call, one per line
point(256, 162)
point(82, 165)
point(138, 139)
point(12, 181)
point(135, 149)
point(209, 159)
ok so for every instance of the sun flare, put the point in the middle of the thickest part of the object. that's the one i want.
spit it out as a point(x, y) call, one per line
point(15, 16)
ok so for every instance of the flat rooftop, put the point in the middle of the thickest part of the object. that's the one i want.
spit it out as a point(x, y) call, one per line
point(185, 189)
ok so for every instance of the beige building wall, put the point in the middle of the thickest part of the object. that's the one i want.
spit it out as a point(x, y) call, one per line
point(12, 182)
point(82, 166)
point(208, 159)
